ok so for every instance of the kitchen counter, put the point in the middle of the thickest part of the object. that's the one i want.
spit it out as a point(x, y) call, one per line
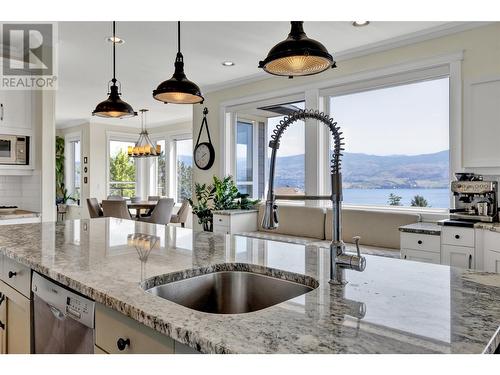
point(393, 306)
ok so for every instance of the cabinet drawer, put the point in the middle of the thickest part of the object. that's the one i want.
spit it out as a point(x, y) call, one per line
point(421, 256)
point(17, 276)
point(222, 220)
point(424, 242)
point(221, 229)
point(111, 326)
point(457, 236)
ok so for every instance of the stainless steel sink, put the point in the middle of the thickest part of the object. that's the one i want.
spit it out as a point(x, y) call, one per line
point(230, 292)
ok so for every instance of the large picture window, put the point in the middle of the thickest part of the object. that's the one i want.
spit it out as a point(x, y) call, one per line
point(122, 170)
point(161, 170)
point(397, 144)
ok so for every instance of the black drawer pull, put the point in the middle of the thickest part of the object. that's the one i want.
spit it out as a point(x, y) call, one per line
point(12, 274)
point(405, 256)
point(457, 236)
point(122, 344)
point(2, 326)
point(419, 242)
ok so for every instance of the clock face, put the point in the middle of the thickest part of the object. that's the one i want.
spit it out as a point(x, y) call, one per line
point(204, 155)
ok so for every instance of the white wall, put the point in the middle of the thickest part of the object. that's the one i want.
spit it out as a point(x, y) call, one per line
point(481, 48)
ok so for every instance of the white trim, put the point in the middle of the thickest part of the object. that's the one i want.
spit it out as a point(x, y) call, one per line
point(367, 49)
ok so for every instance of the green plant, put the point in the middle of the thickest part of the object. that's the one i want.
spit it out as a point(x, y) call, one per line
point(394, 200)
point(59, 166)
point(419, 201)
point(222, 194)
point(65, 196)
point(121, 171)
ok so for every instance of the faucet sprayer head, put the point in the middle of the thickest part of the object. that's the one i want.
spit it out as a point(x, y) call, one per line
point(270, 219)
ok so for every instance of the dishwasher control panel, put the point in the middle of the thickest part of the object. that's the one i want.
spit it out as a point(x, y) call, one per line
point(63, 300)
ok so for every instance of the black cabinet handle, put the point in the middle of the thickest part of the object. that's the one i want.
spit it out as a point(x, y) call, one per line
point(470, 261)
point(2, 326)
point(2, 298)
point(122, 344)
point(419, 242)
point(12, 274)
point(405, 256)
point(457, 236)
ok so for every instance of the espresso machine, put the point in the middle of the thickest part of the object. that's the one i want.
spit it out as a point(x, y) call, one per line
point(475, 199)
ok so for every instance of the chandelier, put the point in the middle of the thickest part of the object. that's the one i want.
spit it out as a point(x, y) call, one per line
point(144, 147)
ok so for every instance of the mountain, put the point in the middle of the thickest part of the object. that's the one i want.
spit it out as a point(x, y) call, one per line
point(363, 171)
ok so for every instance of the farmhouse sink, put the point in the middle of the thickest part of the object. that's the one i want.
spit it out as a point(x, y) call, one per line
point(229, 292)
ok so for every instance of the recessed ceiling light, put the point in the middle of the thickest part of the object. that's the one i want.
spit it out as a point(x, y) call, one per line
point(360, 23)
point(228, 63)
point(115, 39)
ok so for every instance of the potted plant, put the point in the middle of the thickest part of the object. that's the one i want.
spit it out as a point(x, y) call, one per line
point(222, 194)
point(62, 201)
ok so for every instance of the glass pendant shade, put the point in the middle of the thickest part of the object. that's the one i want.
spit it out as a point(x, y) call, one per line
point(178, 89)
point(144, 148)
point(297, 55)
point(114, 106)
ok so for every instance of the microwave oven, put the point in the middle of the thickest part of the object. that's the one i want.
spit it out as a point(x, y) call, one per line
point(14, 149)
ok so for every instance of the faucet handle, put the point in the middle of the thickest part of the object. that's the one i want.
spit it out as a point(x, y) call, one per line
point(356, 240)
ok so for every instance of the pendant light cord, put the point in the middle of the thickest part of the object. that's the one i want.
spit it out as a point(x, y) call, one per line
point(179, 36)
point(114, 52)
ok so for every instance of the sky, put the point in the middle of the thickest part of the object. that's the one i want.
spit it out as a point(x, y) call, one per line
point(410, 119)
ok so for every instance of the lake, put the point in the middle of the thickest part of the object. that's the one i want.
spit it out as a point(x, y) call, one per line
point(436, 198)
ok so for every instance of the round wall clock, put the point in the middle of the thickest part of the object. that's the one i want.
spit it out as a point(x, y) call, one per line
point(204, 153)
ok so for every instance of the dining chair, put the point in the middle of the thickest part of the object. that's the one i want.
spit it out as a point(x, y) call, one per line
point(182, 214)
point(153, 198)
point(161, 213)
point(116, 208)
point(94, 208)
point(115, 198)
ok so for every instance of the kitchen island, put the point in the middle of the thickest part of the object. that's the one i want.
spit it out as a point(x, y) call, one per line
point(393, 306)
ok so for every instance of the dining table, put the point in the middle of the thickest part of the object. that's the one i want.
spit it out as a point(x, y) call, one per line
point(141, 205)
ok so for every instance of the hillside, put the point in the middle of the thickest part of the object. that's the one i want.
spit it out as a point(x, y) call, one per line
point(362, 171)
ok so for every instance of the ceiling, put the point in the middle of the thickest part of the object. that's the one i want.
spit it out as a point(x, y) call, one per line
point(146, 58)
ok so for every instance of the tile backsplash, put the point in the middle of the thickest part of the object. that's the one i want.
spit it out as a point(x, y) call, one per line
point(21, 191)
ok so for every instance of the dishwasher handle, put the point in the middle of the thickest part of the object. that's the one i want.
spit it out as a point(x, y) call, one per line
point(58, 314)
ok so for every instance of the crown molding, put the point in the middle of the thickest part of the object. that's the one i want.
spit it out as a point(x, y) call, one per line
point(368, 49)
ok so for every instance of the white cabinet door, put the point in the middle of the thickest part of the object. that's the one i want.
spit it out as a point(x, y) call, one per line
point(15, 109)
point(457, 256)
point(420, 256)
point(492, 261)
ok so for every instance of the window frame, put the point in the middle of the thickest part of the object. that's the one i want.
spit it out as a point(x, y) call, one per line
point(69, 162)
point(170, 163)
point(255, 153)
point(314, 94)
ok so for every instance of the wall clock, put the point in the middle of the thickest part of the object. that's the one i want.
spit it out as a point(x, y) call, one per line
point(204, 153)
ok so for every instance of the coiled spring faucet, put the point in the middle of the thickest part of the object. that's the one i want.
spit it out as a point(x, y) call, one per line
point(339, 259)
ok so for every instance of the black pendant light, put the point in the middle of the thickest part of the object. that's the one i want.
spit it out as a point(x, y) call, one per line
point(297, 55)
point(178, 89)
point(114, 106)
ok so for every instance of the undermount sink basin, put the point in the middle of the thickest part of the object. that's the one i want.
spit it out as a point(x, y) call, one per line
point(229, 292)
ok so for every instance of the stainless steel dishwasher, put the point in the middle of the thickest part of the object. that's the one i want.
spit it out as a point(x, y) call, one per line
point(63, 319)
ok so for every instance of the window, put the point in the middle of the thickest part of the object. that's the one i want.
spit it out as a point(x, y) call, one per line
point(244, 157)
point(161, 170)
point(77, 171)
point(184, 159)
point(397, 144)
point(290, 160)
point(122, 170)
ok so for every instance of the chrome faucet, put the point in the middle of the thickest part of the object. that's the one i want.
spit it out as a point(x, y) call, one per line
point(339, 259)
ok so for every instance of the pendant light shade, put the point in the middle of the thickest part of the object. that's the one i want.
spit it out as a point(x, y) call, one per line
point(114, 106)
point(297, 55)
point(178, 89)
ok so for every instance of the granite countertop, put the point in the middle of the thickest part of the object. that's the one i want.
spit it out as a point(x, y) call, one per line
point(422, 228)
point(494, 227)
point(18, 214)
point(233, 212)
point(393, 306)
